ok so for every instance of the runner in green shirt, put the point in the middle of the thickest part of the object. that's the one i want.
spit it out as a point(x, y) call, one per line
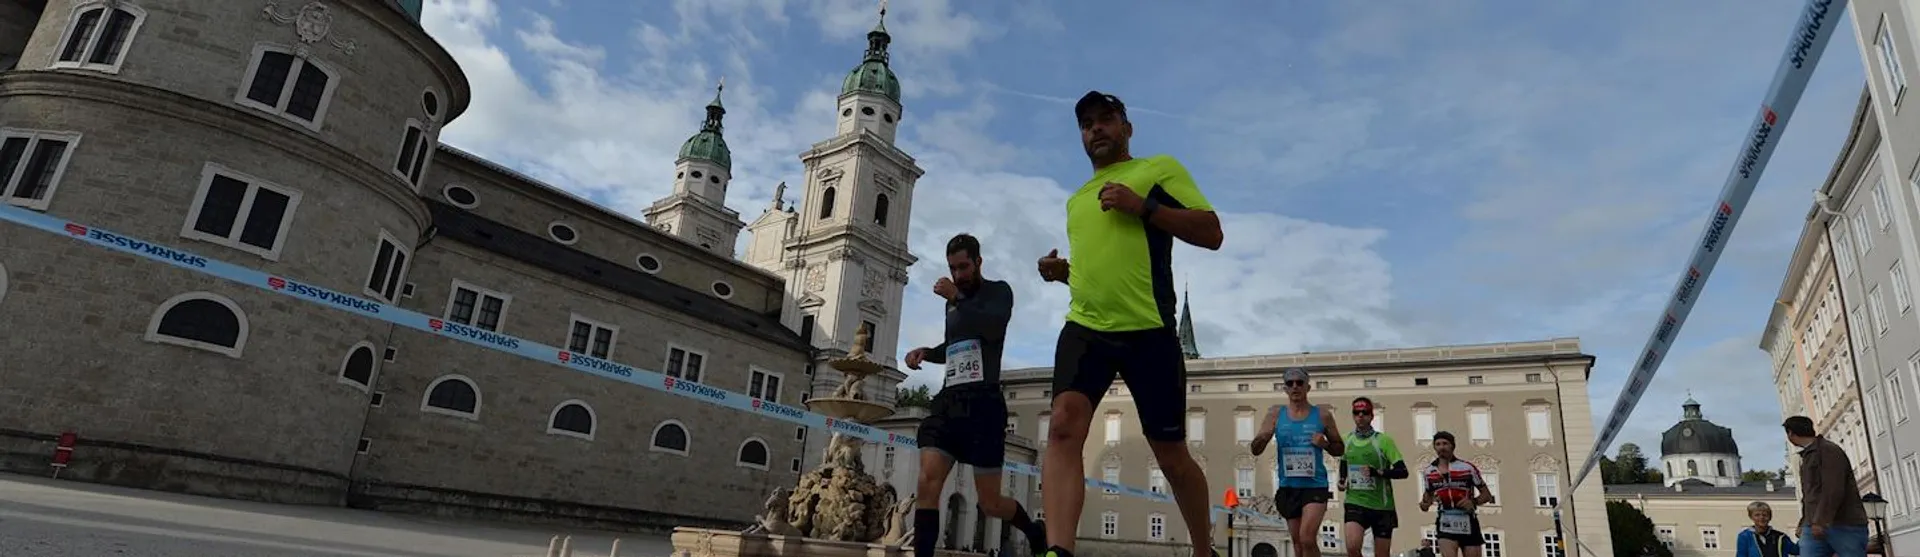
point(1367, 469)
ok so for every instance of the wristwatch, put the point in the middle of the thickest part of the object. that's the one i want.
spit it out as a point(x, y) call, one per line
point(1147, 207)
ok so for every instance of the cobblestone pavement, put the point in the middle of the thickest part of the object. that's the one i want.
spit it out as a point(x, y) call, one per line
point(41, 517)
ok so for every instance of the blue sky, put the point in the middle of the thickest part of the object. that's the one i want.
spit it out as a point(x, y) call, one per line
point(1390, 173)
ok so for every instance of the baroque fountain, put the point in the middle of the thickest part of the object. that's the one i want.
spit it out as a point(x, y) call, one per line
point(838, 510)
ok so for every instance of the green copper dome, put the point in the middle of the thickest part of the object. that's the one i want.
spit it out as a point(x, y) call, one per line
point(873, 75)
point(709, 145)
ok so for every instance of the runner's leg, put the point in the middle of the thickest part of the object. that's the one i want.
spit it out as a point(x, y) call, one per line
point(987, 453)
point(1449, 548)
point(1303, 536)
point(1310, 517)
point(934, 467)
point(1354, 534)
point(986, 486)
point(1156, 375)
point(1082, 371)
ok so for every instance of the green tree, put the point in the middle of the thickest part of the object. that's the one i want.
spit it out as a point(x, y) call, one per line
point(1628, 466)
point(1759, 476)
point(914, 397)
point(1632, 531)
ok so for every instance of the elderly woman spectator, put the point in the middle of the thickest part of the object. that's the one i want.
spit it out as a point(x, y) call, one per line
point(1762, 540)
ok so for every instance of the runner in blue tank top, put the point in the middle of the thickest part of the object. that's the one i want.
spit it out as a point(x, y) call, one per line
point(1305, 435)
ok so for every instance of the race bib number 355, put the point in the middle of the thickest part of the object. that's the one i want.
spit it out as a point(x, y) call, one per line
point(964, 363)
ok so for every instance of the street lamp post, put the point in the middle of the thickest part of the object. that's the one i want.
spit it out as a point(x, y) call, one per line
point(1877, 511)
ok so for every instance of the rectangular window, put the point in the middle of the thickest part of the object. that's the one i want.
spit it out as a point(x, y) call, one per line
point(241, 212)
point(1539, 424)
point(1013, 425)
point(1423, 425)
point(1882, 205)
point(1243, 427)
point(1480, 424)
point(477, 307)
point(1157, 526)
point(1893, 75)
point(685, 363)
point(1897, 395)
point(1476, 379)
point(591, 337)
point(1041, 438)
point(1493, 547)
point(90, 45)
point(1110, 474)
point(1109, 525)
point(800, 433)
point(764, 385)
point(806, 328)
point(1912, 479)
point(1329, 536)
point(1533, 378)
point(1842, 247)
point(873, 335)
point(1862, 238)
point(1877, 310)
point(1370, 383)
point(1193, 388)
point(1379, 419)
point(1709, 537)
point(288, 85)
point(1157, 481)
point(1243, 387)
point(1493, 486)
point(1546, 490)
point(415, 148)
point(1902, 292)
point(1113, 429)
point(1243, 481)
point(31, 164)
point(1319, 384)
point(1196, 426)
point(389, 267)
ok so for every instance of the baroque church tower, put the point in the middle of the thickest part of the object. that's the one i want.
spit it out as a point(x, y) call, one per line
point(697, 210)
point(844, 252)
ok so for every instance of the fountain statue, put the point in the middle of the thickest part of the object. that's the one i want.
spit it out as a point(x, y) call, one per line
point(838, 510)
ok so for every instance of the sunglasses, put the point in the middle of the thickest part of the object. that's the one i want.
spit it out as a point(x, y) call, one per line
point(1363, 411)
point(1296, 383)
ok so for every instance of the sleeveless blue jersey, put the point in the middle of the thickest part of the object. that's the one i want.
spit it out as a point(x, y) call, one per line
point(1301, 463)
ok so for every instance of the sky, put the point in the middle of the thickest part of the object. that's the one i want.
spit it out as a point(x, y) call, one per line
point(1390, 173)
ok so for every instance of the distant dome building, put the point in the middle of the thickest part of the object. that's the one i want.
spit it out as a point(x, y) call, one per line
point(1697, 449)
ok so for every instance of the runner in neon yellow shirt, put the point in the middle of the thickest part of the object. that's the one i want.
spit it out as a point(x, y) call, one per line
point(1371, 462)
point(1121, 226)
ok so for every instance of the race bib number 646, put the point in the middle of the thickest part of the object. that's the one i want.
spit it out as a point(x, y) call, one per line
point(964, 363)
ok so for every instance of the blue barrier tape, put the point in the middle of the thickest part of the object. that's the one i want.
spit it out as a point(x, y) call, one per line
point(1818, 21)
point(512, 345)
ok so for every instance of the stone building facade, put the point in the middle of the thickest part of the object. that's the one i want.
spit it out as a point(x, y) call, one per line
point(1696, 519)
point(1520, 410)
point(301, 139)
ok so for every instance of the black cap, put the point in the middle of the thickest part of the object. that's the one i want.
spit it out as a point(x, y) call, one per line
point(1095, 100)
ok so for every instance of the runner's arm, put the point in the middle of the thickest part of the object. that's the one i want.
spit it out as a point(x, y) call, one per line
point(1398, 471)
point(1486, 495)
point(1336, 445)
point(935, 354)
point(1265, 436)
point(1194, 221)
point(985, 314)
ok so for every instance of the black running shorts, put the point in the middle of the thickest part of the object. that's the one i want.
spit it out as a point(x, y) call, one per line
point(1380, 522)
point(968, 423)
point(1150, 362)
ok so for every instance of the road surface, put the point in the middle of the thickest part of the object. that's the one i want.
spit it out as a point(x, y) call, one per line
point(41, 517)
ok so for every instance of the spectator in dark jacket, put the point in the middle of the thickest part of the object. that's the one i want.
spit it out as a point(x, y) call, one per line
point(1762, 540)
point(1833, 521)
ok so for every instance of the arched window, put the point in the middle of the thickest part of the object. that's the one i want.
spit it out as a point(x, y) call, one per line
point(282, 81)
point(572, 418)
point(453, 395)
point(753, 454)
point(357, 370)
point(826, 203)
point(98, 35)
point(1693, 467)
point(880, 210)
point(670, 437)
point(1720, 466)
point(202, 320)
